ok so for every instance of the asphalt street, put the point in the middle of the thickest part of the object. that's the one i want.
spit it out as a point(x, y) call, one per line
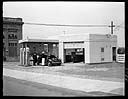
point(16, 87)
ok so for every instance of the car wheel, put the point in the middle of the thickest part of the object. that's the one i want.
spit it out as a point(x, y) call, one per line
point(49, 64)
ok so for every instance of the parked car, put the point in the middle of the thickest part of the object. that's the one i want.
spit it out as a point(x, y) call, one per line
point(121, 55)
point(52, 61)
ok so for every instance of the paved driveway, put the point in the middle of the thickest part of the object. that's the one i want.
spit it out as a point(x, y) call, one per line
point(108, 71)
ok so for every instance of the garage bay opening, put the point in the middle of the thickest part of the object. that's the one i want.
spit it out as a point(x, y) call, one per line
point(74, 55)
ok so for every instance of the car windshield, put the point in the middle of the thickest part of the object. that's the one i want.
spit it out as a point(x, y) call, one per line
point(121, 50)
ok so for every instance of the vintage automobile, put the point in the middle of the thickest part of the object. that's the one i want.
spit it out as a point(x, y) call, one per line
point(52, 61)
point(120, 57)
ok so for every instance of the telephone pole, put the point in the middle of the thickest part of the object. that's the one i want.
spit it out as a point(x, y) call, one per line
point(112, 25)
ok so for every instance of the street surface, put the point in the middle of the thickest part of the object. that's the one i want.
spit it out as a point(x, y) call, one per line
point(16, 87)
point(90, 80)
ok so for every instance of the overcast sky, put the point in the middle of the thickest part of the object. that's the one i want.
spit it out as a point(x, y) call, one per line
point(90, 13)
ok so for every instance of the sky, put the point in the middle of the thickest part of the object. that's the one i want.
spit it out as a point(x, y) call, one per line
point(75, 13)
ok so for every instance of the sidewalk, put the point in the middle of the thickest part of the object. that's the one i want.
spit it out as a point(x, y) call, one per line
point(87, 85)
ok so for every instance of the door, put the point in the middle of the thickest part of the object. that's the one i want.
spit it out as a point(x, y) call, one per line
point(114, 53)
point(12, 51)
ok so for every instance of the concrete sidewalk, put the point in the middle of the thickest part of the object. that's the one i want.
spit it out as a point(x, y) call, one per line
point(87, 85)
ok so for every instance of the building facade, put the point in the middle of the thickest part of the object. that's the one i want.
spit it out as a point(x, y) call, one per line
point(12, 33)
point(89, 48)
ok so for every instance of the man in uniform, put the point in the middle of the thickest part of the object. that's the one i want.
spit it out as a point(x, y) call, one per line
point(34, 58)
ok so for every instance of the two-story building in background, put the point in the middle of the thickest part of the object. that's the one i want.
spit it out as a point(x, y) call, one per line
point(12, 33)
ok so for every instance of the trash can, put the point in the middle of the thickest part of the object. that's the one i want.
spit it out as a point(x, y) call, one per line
point(31, 61)
point(43, 61)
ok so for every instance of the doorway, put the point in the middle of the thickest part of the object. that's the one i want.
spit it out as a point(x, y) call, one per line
point(12, 51)
point(113, 53)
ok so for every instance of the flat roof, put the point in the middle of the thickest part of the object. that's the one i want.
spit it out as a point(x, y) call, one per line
point(74, 38)
point(38, 40)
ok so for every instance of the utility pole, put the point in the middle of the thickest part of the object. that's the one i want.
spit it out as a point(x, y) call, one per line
point(112, 27)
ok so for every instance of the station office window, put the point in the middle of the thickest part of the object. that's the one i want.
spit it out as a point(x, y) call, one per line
point(102, 49)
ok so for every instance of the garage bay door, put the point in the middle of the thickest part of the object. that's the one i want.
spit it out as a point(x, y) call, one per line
point(74, 51)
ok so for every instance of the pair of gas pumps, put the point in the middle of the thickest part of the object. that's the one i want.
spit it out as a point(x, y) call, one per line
point(26, 59)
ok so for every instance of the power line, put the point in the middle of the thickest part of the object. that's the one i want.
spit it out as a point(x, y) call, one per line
point(67, 25)
point(110, 26)
point(119, 26)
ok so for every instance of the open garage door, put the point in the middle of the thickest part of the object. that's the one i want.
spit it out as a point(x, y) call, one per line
point(74, 51)
point(74, 55)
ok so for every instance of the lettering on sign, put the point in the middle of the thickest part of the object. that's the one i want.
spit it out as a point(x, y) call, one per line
point(74, 45)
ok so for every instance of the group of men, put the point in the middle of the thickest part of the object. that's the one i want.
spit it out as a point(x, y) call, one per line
point(38, 58)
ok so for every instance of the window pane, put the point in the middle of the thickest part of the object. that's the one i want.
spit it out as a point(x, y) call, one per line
point(102, 49)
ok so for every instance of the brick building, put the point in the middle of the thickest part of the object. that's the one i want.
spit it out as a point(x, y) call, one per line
point(12, 32)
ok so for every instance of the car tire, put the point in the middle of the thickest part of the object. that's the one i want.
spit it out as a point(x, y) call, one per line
point(49, 64)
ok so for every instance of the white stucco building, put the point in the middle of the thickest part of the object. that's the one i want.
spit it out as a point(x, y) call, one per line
point(97, 48)
point(87, 48)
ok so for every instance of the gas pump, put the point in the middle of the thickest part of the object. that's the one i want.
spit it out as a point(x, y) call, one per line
point(24, 56)
point(21, 56)
point(27, 61)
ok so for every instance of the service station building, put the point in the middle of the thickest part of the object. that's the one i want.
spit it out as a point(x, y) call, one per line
point(86, 48)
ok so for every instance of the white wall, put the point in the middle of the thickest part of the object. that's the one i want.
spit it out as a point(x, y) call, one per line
point(87, 52)
point(92, 45)
point(74, 37)
point(96, 54)
point(95, 48)
point(61, 51)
